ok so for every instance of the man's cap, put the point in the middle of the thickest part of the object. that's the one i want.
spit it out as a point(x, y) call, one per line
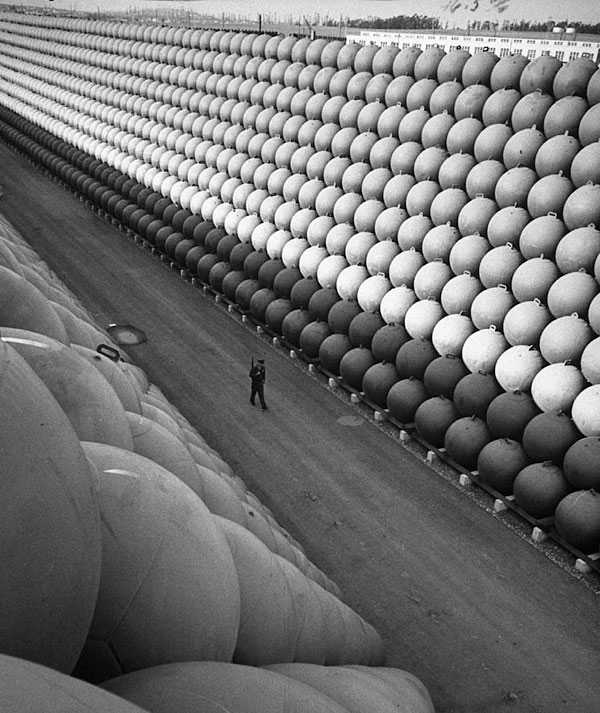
point(261, 361)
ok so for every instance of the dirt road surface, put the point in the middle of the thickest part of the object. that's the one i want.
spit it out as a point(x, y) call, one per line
point(487, 621)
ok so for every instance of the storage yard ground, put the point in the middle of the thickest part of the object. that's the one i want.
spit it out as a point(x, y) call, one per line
point(485, 619)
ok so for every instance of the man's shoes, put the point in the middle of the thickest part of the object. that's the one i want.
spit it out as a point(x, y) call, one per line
point(265, 408)
point(251, 402)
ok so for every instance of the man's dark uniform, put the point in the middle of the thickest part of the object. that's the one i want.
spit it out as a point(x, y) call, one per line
point(258, 375)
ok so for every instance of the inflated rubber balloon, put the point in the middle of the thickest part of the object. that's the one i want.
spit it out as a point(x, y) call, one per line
point(50, 553)
point(539, 488)
point(222, 687)
point(23, 306)
point(88, 400)
point(154, 441)
point(262, 635)
point(168, 589)
point(27, 686)
point(577, 520)
point(358, 687)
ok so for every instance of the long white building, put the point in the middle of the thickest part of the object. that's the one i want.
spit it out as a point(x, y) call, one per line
point(559, 44)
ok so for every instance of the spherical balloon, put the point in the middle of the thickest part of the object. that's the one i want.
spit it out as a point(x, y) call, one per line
point(404, 397)
point(585, 166)
point(541, 237)
point(332, 350)
point(499, 463)
point(421, 318)
point(572, 293)
point(565, 338)
point(371, 292)
point(548, 195)
point(363, 328)
point(482, 350)
point(474, 393)
point(525, 322)
point(312, 336)
point(459, 293)
point(430, 280)
point(513, 187)
point(433, 418)
point(354, 364)
point(516, 367)
point(413, 358)
point(522, 148)
point(555, 388)
point(62, 538)
point(588, 126)
point(455, 170)
point(509, 413)
point(499, 265)
point(154, 485)
point(443, 374)
point(564, 116)
point(533, 278)
point(395, 303)
point(539, 488)
point(341, 315)
point(499, 106)
point(585, 410)
point(387, 341)
point(412, 232)
point(582, 207)
point(531, 110)
point(491, 306)
point(578, 250)
point(548, 436)
point(29, 685)
point(576, 519)
point(556, 155)
point(467, 254)
point(377, 382)
point(581, 463)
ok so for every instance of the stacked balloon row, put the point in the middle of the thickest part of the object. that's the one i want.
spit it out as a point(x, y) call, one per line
point(138, 572)
point(420, 223)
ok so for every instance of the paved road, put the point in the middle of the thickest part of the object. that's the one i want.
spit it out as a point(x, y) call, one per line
point(484, 619)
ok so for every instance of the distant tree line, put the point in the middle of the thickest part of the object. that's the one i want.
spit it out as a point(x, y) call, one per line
point(424, 22)
point(399, 22)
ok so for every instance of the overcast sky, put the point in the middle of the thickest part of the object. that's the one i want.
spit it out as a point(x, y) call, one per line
point(456, 11)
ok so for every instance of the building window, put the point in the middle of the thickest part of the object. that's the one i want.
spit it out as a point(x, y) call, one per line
point(531, 54)
point(573, 55)
point(504, 51)
point(560, 55)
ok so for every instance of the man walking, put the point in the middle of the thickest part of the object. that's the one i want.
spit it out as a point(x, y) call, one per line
point(258, 376)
